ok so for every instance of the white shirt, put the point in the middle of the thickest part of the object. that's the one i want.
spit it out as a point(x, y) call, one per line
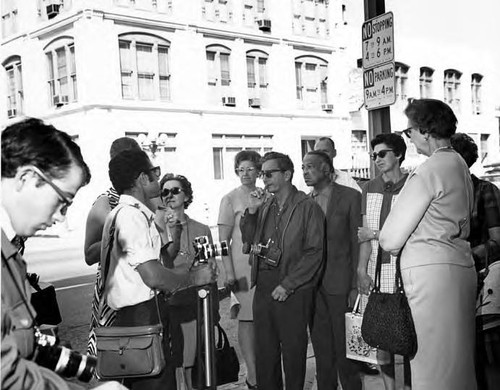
point(137, 241)
point(343, 178)
point(7, 227)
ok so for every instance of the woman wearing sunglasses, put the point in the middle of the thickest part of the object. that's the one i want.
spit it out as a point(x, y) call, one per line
point(176, 196)
point(430, 222)
point(236, 265)
point(379, 194)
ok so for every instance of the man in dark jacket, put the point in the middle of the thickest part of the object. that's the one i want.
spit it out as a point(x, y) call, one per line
point(286, 232)
point(342, 207)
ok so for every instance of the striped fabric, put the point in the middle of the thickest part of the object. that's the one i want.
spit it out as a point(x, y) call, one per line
point(102, 314)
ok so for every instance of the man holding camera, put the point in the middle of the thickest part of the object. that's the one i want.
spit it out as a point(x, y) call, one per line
point(136, 273)
point(284, 234)
point(42, 170)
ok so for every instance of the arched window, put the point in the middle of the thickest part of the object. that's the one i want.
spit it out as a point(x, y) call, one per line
point(311, 75)
point(476, 80)
point(61, 67)
point(13, 71)
point(144, 64)
point(219, 75)
point(257, 78)
point(451, 86)
point(401, 76)
point(426, 82)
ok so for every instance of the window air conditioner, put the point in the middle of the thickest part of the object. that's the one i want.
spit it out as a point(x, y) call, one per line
point(254, 102)
point(53, 8)
point(11, 113)
point(229, 101)
point(264, 25)
point(327, 107)
point(60, 100)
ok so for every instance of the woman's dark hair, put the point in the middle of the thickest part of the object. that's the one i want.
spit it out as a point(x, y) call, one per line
point(284, 161)
point(393, 141)
point(466, 147)
point(126, 167)
point(247, 155)
point(32, 142)
point(185, 184)
point(432, 116)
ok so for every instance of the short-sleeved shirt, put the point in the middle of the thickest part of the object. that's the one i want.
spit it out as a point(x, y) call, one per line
point(137, 241)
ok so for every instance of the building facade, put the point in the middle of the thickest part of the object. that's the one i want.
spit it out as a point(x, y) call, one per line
point(196, 81)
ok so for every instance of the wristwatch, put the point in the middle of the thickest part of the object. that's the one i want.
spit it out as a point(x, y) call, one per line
point(374, 234)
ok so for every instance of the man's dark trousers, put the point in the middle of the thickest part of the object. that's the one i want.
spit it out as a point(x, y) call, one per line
point(280, 328)
point(328, 337)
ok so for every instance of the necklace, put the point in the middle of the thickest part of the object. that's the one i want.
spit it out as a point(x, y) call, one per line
point(442, 148)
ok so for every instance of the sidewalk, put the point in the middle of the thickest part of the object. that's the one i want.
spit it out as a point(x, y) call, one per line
point(369, 382)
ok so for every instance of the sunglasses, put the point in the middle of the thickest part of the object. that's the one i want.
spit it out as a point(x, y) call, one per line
point(407, 132)
point(63, 197)
point(245, 170)
point(156, 171)
point(380, 154)
point(269, 173)
point(174, 191)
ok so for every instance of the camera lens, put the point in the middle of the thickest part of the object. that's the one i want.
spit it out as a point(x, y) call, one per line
point(65, 362)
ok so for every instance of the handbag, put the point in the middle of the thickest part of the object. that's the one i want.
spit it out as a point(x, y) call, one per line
point(387, 321)
point(227, 365)
point(355, 346)
point(128, 351)
point(44, 300)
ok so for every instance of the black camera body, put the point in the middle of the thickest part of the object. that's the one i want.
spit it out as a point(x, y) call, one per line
point(63, 361)
point(205, 250)
point(270, 254)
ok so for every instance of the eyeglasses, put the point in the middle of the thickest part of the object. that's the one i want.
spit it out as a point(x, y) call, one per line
point(63, 197)
point(245, 170)
point(407, 132)
point(156, 171)
point(174, 191)
point(269, 173)
point(380, 154)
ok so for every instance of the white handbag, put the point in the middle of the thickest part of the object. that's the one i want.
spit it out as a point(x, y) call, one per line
point(356, 348)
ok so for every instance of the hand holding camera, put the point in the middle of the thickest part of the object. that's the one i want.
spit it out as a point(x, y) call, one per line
point(257, 198)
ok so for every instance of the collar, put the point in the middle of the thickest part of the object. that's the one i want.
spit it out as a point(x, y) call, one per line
point(7, 227)
point(131, 201)
point(323, 192)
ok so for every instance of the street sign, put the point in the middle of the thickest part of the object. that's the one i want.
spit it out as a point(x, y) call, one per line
point(379, 86)
point(378, 40)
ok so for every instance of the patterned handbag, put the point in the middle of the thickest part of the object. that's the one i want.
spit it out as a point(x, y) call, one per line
point(387, 320)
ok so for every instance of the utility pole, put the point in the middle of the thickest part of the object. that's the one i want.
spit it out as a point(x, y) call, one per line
point(379, 120)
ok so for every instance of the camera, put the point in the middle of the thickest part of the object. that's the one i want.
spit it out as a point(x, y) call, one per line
point(63, 361)
point(204, 250)
point(270, 254)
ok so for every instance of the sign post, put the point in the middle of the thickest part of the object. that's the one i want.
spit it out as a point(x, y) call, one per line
point(378, 46)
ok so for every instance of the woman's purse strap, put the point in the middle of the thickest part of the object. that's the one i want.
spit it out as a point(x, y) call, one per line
point(107, 262)
point(378, 272)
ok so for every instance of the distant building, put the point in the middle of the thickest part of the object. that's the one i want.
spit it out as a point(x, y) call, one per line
point(196, 81)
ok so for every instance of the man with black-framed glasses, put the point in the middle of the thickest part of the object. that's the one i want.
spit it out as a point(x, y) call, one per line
point(284, 234)
point(42, 170)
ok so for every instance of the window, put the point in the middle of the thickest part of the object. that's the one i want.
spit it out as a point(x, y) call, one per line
point(253, 10)
point(217, 10)
point(161, 6)
point(452, 88)
point(311, 75)
point(476, 93)
point(9, 17)
point(61, 66)
point(13, 69)
point(144, 64)
point(484, 146)
point(426, 82)
point(401, 76)
point(219, 73)
point(307, 145)
point(257, 78)
point(310, 18)
point(226, 146)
